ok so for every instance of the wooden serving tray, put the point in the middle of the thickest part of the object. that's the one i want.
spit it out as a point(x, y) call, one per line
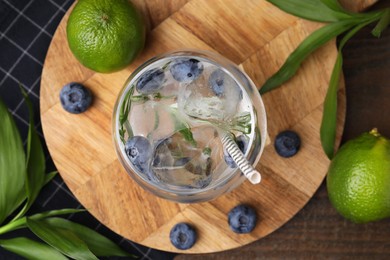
point(254, 34)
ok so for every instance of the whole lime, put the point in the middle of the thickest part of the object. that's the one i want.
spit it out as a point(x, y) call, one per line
point(358, 179)
point(105, 35)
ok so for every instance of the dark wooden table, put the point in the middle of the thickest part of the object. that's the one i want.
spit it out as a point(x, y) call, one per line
point(318, 231)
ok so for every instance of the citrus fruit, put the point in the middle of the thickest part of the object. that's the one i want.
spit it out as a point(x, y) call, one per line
point(105, 35)
point(358, 179)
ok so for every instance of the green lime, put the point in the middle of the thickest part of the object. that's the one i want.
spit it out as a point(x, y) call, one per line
point(358, 180)
point(104, 35)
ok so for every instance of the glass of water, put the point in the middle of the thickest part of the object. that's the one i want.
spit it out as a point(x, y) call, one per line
point(169, 120)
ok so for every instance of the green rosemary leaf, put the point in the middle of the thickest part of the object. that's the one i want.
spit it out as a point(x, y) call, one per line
point(242, 123)
point(207, 151)
point(139, 98)
point(124, 113)
point(125, 108)
point(182, 127)
point(156, 119)
point(187, 134)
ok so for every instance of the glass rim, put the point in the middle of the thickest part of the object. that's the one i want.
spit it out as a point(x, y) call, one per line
point(216, 59)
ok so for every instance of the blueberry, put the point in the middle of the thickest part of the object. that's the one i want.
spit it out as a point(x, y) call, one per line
point(182, 236)
point(242, 219)
point(287, 143)
point(202, 183)
point(75, 98)
point(181, 161)
point(219, 80)
point(150, 81)
point(216, 82)
point(162, 153)
point(242, 143)
point(186, 70)
point(139, 152)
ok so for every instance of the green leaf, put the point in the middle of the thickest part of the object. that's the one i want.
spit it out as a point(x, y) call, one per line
point(63, 240)
point(55, 212)
point(329, 116)
point(21, 222)
point(31, 249)
point(382, 24)
point(207, 151)
point(334, 5)
point(124, 114)
point(139, 98)
point(166, 66)
point(307, 46)
point(182, 127)
point(35, 159)
point(98, 244)
point(315, 10)
point(187, 134)
point(12, 164)
point(49, 176)
point(242, 123)
point(125, 108)
point(156, 119)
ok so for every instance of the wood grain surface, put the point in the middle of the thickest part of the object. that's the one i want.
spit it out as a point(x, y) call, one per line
point(318, 231)
point(83, 152)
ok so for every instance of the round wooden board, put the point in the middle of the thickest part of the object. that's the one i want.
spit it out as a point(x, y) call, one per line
point(255, 35)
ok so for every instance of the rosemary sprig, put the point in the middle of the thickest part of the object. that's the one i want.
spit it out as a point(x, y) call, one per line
point(124, 114)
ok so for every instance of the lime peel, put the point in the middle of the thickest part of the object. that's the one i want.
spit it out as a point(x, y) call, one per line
point(358, 179)
point(112, 41)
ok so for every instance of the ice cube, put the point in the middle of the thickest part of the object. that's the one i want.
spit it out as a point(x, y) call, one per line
point(180, 162)
point(214, 96)
point(153, 119)
point(140, 111)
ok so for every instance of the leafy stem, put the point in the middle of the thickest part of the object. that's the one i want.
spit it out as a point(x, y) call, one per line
point(22, 176)
point(21, 222)
point(20, 214)
point(329, 116)
point(155, 96)
point(124, 113)
point(340, 21)
point(182, 127)
point(12, 225)
point(128, 99)
point(240, 123)
point(382, 24)
point(308, 46)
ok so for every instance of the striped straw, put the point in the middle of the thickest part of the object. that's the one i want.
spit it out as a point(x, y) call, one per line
point(238, 157)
